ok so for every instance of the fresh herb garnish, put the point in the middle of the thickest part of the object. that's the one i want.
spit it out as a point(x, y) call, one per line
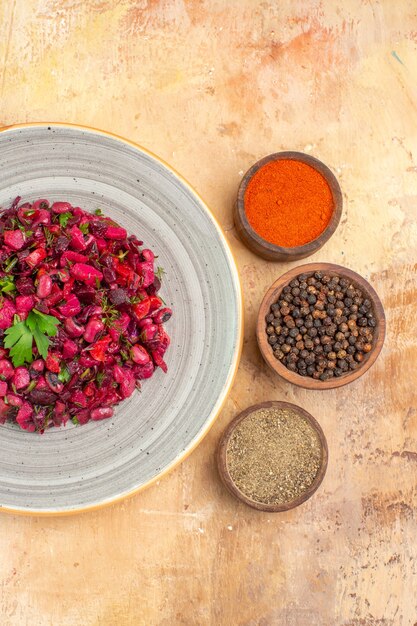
point(19, 337)
point(31, 386)
point(98, 212)
point(110, 313)
point(99, 379)
point(11, 262)
point(48, 236)
point(74, 420)
point(7, 284)
point(64, 375)
point(122, 255)
point(64, 218)
point(160, 272)
point(136, 299)
point(84, 228)
point(124, 355)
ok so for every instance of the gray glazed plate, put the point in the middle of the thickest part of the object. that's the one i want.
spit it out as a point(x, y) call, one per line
point(77, 468)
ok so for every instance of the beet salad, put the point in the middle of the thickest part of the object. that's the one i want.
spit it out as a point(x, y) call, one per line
point(81, 322)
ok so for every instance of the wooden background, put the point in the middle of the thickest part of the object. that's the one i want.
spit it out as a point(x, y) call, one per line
point(211, 86)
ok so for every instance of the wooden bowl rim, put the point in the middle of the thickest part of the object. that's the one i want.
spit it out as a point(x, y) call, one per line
point(305, 381)
point(312, 246)
point(224, 470)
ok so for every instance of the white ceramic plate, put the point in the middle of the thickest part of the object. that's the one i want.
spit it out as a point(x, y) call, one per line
point(77, 468)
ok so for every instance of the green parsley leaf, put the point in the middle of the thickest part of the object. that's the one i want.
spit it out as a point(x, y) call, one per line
point(74, 420)
point(84, 228)
point(98, 212)
point(42, 342)
point(19, 337)
point(46, 323)
point(64, 218)
point(19, 341)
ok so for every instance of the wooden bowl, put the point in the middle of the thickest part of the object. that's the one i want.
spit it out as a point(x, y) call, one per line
point(270, 251)
point(271, 296)
point(224, 470)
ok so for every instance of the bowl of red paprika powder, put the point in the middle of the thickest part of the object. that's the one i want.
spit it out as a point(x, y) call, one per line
point(288, 205)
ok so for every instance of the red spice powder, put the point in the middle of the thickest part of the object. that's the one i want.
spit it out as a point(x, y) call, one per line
point(288, 203)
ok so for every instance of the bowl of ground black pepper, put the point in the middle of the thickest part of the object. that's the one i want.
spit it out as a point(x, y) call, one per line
point(321, 326)
point(273, 456)
point(288, 205)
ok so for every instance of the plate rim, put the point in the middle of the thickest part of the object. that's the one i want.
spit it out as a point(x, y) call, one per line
point(31, 512)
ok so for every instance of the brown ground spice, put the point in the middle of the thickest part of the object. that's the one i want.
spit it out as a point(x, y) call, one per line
point(273, 455)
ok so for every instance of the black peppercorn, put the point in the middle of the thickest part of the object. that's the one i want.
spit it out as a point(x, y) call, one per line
point(321, 326)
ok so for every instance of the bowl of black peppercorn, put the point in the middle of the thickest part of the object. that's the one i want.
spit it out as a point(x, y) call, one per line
point(320, 326)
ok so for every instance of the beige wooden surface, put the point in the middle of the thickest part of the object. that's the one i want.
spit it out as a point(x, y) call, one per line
point(211, 86)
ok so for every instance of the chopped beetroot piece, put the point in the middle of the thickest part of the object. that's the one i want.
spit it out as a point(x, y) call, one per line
point(83, 416)
point(3, 388)
point(14, 239)
point(7, 313)
point(24, 417)
point(79, 399)
point(25, 286)
point(42, 397)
